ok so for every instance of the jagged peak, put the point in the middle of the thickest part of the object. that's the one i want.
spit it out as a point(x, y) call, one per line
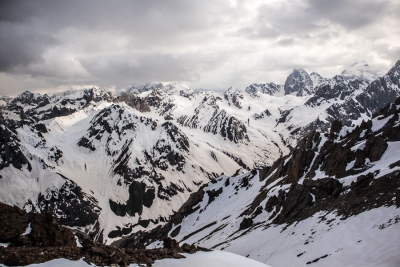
point(25, 94)
point(256, 89)
point(298, 82)
point(395, 69)
point(167, 87)
point(301, 70)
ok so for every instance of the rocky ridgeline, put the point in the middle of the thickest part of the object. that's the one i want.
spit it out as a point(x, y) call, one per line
point(290, 190)
point(337, 156)
point(36, 238)
point(299, 82)
point(146, 134)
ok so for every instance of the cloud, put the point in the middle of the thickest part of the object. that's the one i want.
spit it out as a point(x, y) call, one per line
point(21, 46)
point(46, 44)
point(351, 15)
point(151, 67)
point(286, 41)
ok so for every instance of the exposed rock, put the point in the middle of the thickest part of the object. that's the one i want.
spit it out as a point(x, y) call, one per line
point(138, 239)
point(297, 199)
point(298, 82)
point(141, 104)
point(268, 88)
point(139, 195)
point(212, 194)
point(227, 126)
point(32, 230)
point(189, 248)
point(48, 241)
point(10, 153)
point(70, 205)
point(275, 202)
point(171, 243)
point(246, 223)
point(323, 188)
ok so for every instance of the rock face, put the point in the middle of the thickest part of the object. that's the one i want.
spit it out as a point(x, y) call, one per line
point(18, 229)
point(36, 238)
point(317, 79)
point(298, 82)
point(34, 107)
point(335, 88)
point(380, 91)
point(139, 197)
point(228, 127)
point(255, 89)
point(11, 153)
point(333, 176)
point(360, 98)
point(70, 205)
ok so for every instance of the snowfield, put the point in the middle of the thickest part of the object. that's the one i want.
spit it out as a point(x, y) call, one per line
point(199, 259)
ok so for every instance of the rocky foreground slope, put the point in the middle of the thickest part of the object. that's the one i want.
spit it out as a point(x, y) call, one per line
point(36, 238)
point(333, 201)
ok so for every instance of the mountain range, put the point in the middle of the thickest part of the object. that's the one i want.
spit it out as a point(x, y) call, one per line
point(270, 171)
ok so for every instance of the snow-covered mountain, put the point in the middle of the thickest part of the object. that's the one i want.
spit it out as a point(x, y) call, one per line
point(299, 83)
point(359, 70)
point(112, 164)
point(333, 201)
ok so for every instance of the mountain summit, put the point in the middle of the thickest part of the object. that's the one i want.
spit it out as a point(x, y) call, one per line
point(360, 70)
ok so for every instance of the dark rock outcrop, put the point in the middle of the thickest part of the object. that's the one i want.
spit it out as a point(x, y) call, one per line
point(139, 195)
point(298, 82)
point(246, 223)
point(10, 153)
point(228, 127)
point(37, 238)
point(70, 205)
point(32, 230)
point(140, 238)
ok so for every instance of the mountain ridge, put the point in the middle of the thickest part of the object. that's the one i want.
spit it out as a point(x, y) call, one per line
point(128, 161)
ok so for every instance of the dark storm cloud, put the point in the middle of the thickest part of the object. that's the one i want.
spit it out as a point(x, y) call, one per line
point(117, 43)
point(19, 46)
point(350, 14)
point(28, 29)
point(141, 17)
point(299, 17)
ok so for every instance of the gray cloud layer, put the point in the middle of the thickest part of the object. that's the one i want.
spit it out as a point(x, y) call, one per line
point(49, 45)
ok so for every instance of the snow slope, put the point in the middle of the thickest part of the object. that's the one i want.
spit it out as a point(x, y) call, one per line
point(199, 259)
point(314, 206)
point(113, 164)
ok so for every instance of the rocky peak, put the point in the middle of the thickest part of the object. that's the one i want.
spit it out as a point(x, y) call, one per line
point(233, 96)
point(255, 89)
point(25, 98)
point(394, 72)
point(317, 79)
point(172, 88)
point(4, 100)
point(299, 83)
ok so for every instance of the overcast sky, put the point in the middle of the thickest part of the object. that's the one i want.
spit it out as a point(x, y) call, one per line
point(211, 44)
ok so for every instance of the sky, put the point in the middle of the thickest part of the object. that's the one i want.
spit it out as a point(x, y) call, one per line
point(48, 45)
